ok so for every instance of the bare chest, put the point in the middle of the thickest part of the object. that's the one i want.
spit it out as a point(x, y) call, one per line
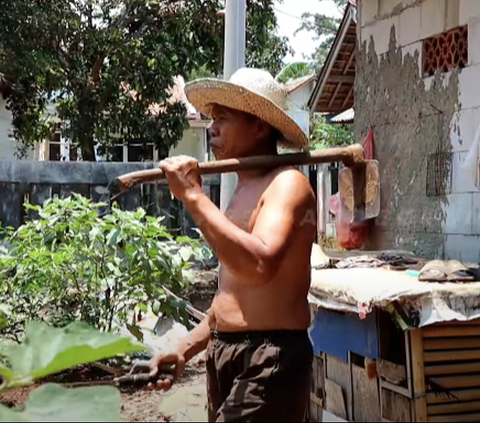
point(245, 205)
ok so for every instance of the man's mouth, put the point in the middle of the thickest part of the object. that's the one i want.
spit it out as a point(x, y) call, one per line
point(214, 145)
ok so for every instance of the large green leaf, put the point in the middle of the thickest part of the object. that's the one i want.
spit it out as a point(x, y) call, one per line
point(48, 350)
point(53, 403)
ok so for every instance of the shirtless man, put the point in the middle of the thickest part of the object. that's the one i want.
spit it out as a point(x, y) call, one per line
point(259, 355)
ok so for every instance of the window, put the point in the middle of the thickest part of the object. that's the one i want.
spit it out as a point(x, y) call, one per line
point(59, 149)
point(134, 151)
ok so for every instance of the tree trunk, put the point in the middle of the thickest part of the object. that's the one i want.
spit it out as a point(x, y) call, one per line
point(85, 126)
point(88, 150)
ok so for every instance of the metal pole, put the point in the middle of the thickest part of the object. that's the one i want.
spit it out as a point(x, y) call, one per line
point(323, 199)
point(234, 58)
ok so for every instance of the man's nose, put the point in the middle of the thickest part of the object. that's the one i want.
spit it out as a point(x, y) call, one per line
point(214, 132)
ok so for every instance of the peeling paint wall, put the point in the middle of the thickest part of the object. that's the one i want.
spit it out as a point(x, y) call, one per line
point(423, 126)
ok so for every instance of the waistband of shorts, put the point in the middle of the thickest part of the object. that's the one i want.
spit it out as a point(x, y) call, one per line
point(284, 335)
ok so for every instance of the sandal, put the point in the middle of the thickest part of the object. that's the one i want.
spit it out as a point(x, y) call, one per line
point(434, 271)
point(457, 272)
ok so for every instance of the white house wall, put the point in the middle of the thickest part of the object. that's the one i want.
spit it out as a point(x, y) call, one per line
point(413, 118)
point(298, 98)
point(192, 144)
point(7, 145)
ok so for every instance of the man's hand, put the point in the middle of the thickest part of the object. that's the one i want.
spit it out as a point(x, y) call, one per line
point(160, 359)
point(183, 176)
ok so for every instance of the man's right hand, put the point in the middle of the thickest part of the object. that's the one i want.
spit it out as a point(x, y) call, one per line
point(160, 359)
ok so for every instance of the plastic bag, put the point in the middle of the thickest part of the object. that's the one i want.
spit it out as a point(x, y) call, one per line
point(352, 235)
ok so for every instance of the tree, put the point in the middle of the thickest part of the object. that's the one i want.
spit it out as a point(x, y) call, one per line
point(101, 64)
point(264, 49)
point(293, 71)
point(327, 135)
point(325, 29)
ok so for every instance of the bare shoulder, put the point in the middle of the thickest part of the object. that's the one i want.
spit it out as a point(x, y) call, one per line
point(292, 186)
point(291, 180)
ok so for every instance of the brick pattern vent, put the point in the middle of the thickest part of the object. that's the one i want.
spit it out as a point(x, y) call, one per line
point(445, 51)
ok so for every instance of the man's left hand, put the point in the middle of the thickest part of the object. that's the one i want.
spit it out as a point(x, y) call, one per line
point(183, 176)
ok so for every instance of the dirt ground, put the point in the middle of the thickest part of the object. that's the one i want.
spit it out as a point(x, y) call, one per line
point(186, 401)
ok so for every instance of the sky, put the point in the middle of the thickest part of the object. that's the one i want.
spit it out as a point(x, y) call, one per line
point(289, 19)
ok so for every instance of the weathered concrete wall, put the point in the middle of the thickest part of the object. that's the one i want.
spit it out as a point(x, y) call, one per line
point(414, 118)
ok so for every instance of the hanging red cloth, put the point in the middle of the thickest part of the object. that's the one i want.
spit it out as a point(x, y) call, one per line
point(369, 146)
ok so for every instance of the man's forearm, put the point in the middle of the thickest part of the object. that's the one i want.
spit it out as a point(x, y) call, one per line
point(233, 246)
point(196, 341)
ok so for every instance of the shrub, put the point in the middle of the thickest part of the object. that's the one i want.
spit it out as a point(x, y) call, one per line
point(70, 263)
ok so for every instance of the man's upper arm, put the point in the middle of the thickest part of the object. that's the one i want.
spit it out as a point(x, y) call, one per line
point(288, 203)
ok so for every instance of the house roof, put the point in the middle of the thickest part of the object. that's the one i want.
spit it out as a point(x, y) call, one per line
point(177, 94)
point(347, 116)
point(298, 83)
point(333, 92)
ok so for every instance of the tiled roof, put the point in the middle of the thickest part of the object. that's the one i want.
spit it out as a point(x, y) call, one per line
point(177, 94)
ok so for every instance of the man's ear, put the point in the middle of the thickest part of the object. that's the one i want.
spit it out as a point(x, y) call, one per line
point(263, 129)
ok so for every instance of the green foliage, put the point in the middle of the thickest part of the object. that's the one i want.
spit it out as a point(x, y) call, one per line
point(53, 403)
point(264, 49)
point(325, 29)
point(46, 351)
point(97, 66)
point(294, 70)
point(200, 72)
point(70, 263)
point(326, 135)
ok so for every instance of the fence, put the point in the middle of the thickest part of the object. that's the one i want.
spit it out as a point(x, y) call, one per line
point(37, 181)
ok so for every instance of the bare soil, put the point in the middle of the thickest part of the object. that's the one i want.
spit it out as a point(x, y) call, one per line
point(186, 401)
point(201, 293)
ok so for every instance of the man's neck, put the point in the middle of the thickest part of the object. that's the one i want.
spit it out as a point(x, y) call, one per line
point(250, 175)
point(258, 173)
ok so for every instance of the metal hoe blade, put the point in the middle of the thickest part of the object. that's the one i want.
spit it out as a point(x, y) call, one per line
point(138, 376)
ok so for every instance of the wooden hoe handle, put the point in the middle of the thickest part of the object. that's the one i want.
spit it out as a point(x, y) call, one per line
point(350, 156)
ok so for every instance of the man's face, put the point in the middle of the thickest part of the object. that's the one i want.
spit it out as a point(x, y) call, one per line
point(235, 134)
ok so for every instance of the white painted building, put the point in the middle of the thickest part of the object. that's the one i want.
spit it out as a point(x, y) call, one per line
point(299, 91)
point(194, 142)
point(7, 144)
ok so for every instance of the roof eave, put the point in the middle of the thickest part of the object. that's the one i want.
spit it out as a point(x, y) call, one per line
point(348, 17)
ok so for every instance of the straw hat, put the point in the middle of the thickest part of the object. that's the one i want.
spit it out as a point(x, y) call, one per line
point(253, 91)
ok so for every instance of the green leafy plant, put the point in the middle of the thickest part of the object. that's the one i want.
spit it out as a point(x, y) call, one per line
point(327, 135)
point(294, 70)
point(324, 28)
point(70, 263)
point(47, 351)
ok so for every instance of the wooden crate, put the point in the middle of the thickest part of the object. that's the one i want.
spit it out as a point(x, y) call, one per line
point(317, 394)
point(446, 372)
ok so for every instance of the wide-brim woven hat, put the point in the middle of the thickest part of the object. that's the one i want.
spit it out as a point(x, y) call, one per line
point(252, 91)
